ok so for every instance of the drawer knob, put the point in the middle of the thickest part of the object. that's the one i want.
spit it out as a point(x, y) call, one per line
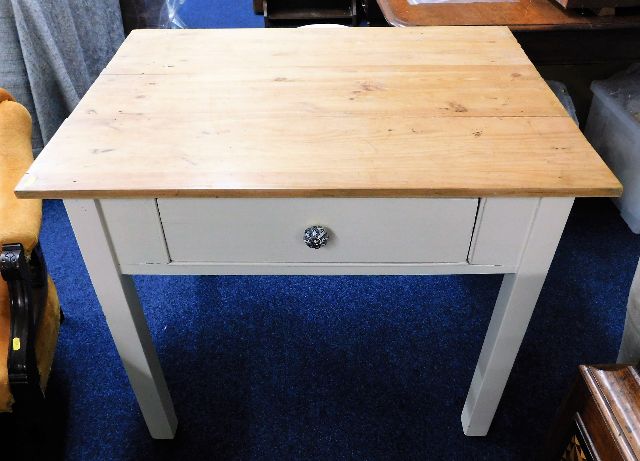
point(316, 237)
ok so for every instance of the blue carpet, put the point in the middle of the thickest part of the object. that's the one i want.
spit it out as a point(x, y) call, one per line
point(328, 368)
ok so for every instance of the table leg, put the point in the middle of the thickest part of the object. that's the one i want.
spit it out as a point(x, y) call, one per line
point(119, 300)
point(514, 306)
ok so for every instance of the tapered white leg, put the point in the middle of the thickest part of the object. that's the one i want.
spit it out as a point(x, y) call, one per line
point(514, 306)
point(119, 300)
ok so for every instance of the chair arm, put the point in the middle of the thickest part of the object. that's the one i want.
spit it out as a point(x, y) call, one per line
point(20, 220)
point(27, 285)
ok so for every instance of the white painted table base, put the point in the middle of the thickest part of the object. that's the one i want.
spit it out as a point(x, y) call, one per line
point(516, 300)
point(522, 233)
point(119, 300)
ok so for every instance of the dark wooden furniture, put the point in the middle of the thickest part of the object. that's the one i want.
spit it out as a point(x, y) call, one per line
point(519, 15)
point(299, 12)
point(600, 418)
point(369, 9)
point(597, 4)
point(372, 14)
point(547, 33)
point(143, 14)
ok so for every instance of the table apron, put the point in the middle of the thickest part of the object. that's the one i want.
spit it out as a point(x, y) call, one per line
point(497, 235)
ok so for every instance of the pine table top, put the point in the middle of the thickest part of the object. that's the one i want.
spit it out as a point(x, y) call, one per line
point(354, 112)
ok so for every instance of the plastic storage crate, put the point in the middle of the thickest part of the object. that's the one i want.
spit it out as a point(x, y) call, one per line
point(561, 92)
point(613, 128)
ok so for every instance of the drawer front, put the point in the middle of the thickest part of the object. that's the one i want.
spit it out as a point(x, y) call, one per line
point(361, 230)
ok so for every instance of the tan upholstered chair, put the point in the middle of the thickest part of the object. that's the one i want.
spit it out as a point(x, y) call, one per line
point(29, 308)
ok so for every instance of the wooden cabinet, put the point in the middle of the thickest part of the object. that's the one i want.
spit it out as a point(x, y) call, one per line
point(372, 13)
point(600, 418)
point(300, 12)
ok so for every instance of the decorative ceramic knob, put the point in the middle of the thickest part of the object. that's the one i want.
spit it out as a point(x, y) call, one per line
point(316, 237)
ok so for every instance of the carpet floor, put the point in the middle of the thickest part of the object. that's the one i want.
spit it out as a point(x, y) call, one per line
point(328, 368)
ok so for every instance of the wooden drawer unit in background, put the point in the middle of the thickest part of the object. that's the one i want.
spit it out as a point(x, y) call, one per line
point(300, 12)
point(600, 418)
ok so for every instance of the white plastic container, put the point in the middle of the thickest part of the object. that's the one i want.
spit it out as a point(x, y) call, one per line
point(561, 92)
point(630, 345)
point(613, 128)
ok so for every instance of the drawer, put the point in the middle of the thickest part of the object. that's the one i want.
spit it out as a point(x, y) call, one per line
point(361, 230)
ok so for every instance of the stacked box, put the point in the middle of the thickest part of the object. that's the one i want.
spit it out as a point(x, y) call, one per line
point(613, 128)
point(561, 92)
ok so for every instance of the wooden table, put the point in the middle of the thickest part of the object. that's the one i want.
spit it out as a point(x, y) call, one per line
point(548, 33)
point(439, 151)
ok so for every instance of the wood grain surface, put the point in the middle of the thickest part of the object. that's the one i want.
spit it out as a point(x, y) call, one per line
point(442, 111)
